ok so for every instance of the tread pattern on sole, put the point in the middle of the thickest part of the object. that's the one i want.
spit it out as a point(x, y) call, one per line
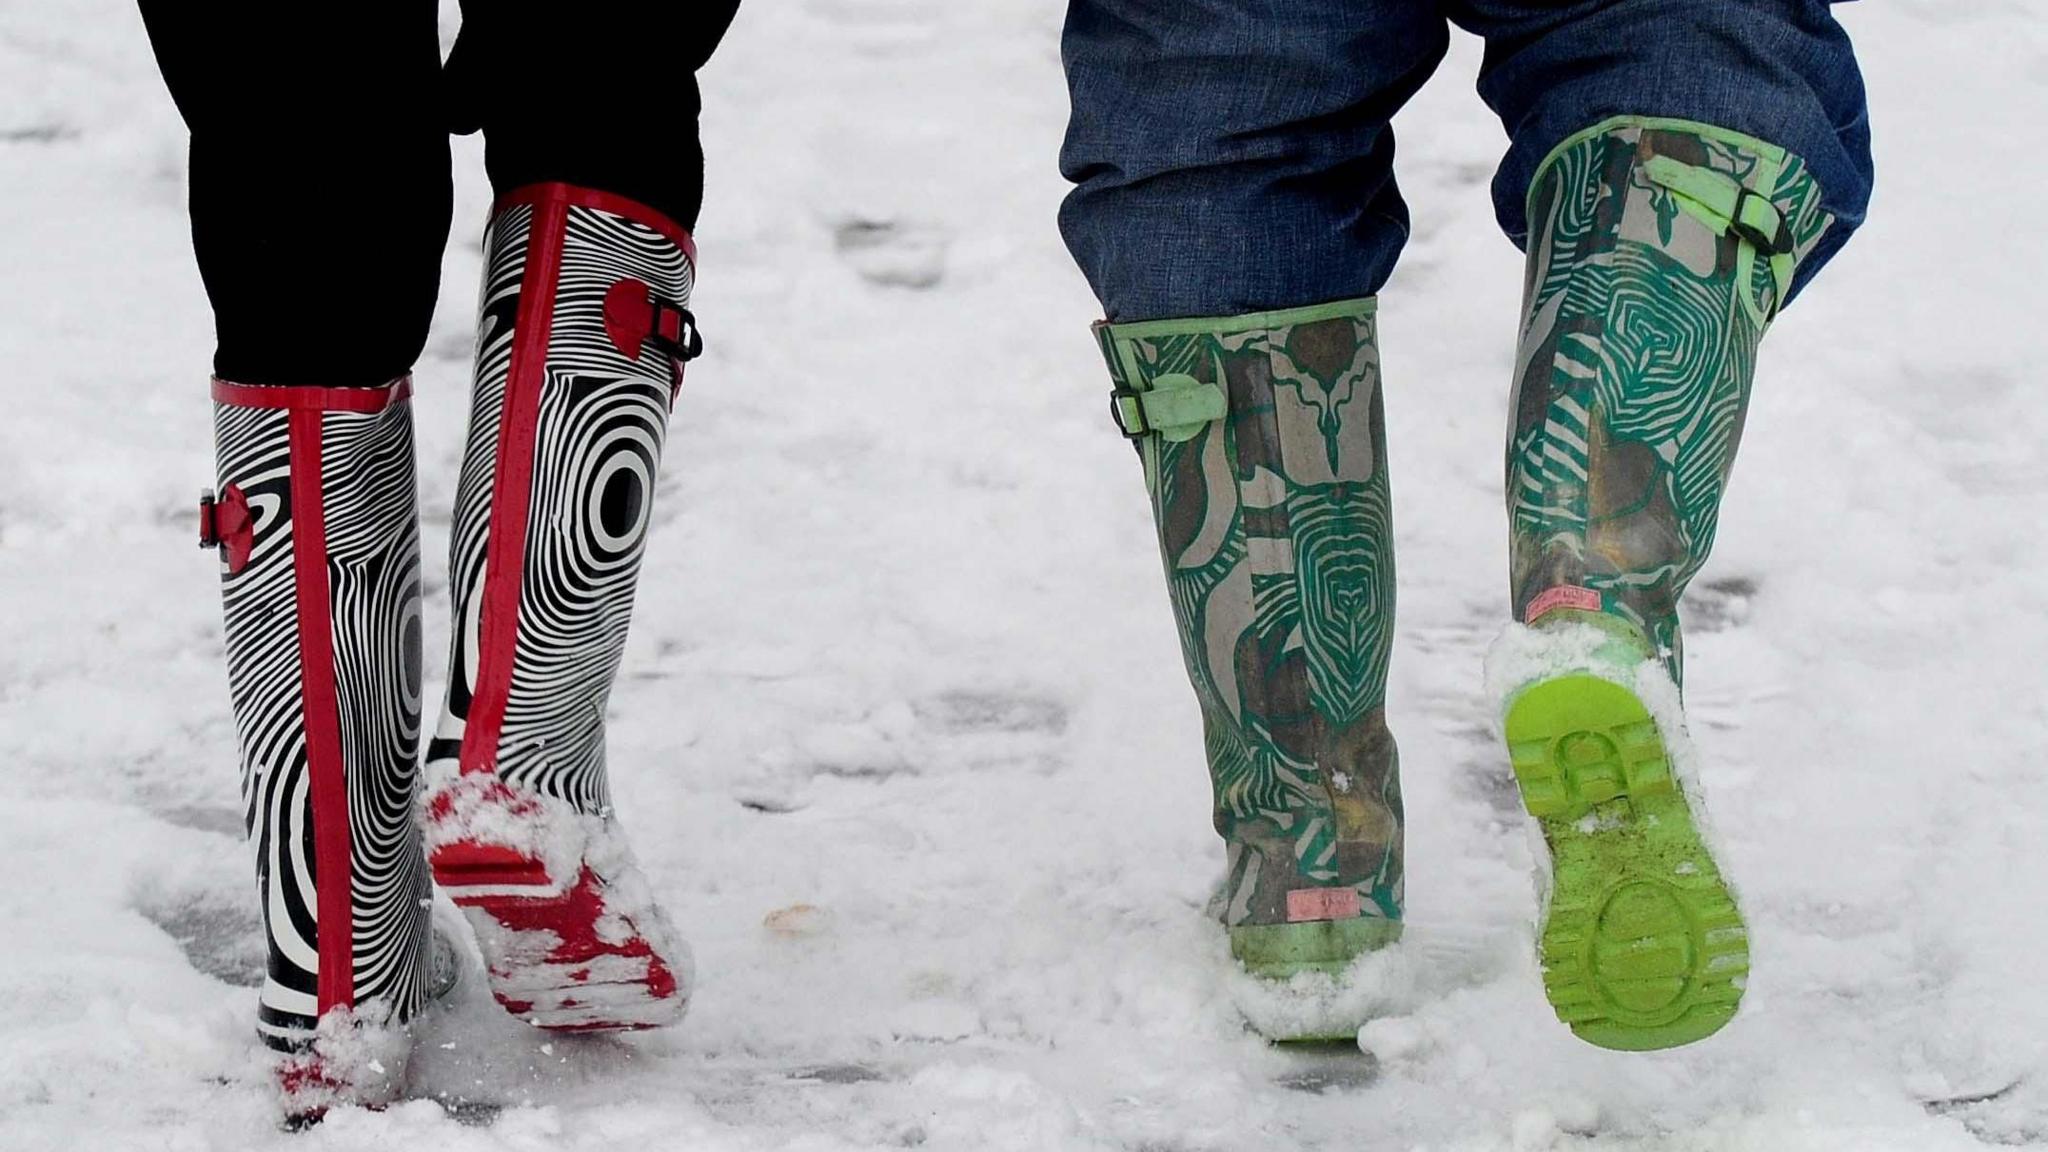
point(1643, 947)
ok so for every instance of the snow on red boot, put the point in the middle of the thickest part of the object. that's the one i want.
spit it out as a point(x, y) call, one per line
point(584, 327)
point(566, 922)
point(354, 1058)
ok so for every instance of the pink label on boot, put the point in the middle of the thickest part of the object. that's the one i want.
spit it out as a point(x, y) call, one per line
point(1562, 596)
point(1322, 904)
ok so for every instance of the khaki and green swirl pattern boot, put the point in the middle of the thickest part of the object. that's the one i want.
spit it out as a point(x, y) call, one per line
point(1659, 252)
point(1261, 438)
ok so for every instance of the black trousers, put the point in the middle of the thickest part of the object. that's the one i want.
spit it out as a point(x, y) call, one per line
point(320, 191)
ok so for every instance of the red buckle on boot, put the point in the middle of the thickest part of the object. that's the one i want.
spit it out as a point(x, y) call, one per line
point(635, 317)
point(226, 524)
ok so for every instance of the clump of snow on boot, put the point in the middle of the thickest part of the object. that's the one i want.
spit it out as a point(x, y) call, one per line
point(493, 831)
point(354, 1057)
point(1323, 1005)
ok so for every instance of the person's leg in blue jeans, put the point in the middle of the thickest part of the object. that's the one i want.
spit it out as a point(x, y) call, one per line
point(1678, 170)
point(1781, 71)
point(1234, 156)
point(1236, 211)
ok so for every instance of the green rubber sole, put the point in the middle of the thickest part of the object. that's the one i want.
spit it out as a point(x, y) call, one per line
point(1643, 947)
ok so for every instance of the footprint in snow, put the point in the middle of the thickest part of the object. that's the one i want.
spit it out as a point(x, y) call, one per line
point(892, 253)
point(1717, 605)
point(966, 710)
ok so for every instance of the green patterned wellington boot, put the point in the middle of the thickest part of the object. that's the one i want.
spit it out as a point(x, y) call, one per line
point(1261, 438)
point(1659, 252)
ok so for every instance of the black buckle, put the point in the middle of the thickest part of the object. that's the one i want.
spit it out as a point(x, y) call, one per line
point(688, 343)
point(1116, 412)
point(1780, 244)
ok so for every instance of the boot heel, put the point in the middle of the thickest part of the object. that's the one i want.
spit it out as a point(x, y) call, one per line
point(1643, 946)
point(468, 871)
point(1280, 951)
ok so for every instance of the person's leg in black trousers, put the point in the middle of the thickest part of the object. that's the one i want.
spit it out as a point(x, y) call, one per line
point(319, 181)
point(320, 200)
point(600, 94)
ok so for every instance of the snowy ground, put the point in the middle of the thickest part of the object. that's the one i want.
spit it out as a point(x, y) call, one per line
point(904, 738)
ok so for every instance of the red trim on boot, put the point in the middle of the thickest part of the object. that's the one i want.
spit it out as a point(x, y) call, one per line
point(328, 782)
point(512, 486)
point(554, 195)
point(368, 401)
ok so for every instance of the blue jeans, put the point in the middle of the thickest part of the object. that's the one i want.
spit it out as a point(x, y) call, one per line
point(1235, 156)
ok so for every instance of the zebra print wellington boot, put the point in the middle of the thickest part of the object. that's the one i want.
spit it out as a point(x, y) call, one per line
point(580, 347)
point(1262, 439)
point(1660, 250)
point(317, 525)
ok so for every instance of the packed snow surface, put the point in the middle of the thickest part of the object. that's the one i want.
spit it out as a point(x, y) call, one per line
point(903, 738)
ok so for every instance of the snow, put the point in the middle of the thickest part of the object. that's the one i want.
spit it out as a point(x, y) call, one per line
point(903, 740)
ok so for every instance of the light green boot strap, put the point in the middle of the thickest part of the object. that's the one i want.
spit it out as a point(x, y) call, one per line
point(1172, 403)
point(1716, 199)
point(1176, 406)
point(1722, 201)
point(1726, 205)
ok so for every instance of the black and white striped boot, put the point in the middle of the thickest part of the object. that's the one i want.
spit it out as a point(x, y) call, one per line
point(580, 346)
point(316, 520)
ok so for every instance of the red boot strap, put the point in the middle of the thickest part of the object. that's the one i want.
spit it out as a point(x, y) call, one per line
point(575, 196)
point(634, 316)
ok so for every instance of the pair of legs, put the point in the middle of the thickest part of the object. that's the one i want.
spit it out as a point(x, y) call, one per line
point(320, 207)
point(1677, 170)
point(328, 130)
point(1238, 157)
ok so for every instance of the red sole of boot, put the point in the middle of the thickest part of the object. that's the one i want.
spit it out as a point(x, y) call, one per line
point(555, 957)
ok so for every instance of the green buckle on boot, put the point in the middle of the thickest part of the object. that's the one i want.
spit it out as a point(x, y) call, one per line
point(1730, 207)
point(1176, 406)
